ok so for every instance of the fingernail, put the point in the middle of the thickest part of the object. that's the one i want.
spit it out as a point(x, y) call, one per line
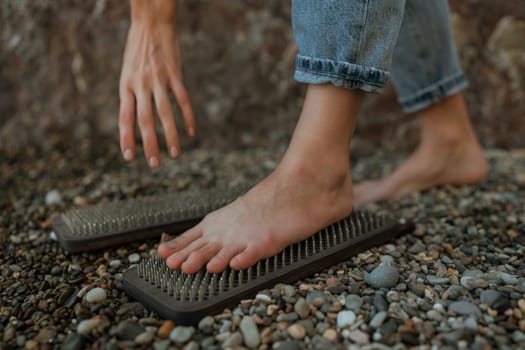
point(128, 155)
point(191, 131)
point(170, 244)
point(153, 161)
point(174, 152)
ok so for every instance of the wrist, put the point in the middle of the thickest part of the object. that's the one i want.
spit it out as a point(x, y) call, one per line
point(153, 11)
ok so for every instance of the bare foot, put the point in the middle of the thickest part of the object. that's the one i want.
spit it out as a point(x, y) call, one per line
point(449, 154)
point(290, 205)
point(310, 189)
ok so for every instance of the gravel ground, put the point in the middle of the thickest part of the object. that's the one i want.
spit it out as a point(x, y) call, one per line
point(457, 282)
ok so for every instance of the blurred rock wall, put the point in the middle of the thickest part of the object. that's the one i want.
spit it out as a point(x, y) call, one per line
point(60, 64)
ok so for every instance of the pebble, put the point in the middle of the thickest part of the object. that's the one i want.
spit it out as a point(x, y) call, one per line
point(134, 258)
point(128, 330)
point(206, 324)
point(297, 331)
point(165, 329)
point(330, 334)
point(464, 308)
point(181, 334)
point(383, 276)
point(345, 318)
point(302, 308)
point(115, 263)
point(86, 326)
point(250, 332)
point(288, 345)
point(73, 341)
point(507, 278)
point(53, 197)
point(263, 298)
point(144, 338)
point(353, 302)
point(378, 319)
point(437, 280)
point(380, 302)
point(359, 337)
point(96, 295)
point(233, 341)
point(494, 299)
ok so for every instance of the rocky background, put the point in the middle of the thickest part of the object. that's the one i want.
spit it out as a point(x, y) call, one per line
point(60, 64)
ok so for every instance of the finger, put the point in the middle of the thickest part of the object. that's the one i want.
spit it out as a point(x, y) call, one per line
point(147, 129)
point(178, 243)
point(167, 119)
point(126, 123)
point(183, 100)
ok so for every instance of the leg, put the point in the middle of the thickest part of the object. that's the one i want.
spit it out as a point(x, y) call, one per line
point(428, 78)
point(311, 188)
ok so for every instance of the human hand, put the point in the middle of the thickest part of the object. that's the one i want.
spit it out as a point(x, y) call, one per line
point(151, 70)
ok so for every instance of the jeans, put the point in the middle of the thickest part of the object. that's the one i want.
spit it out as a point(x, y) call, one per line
point(356, 44)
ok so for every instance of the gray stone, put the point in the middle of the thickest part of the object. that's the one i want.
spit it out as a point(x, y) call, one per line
point(206, 324)
point(73, 341)
point(181, 334)
point(288, 345)
point(289, 317)
point(437, 280)
point(353, 302)
point(378, 319)
point(144, 338)
point(302, 308)
point(382, 276)
point(313, 295)
point(507, 278)
point(233, 340)
point(128, 330)
point(192, 345)
point(464, 308)
point(250, 332)
point(380, 302)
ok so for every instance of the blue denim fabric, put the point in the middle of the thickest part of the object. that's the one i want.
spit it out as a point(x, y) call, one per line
point(353, 43)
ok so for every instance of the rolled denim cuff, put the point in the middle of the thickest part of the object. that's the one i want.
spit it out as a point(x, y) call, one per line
point(312, 70)
point(433, 93)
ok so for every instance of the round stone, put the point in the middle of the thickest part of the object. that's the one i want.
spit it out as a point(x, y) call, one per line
point(165, 329)
point(297, 331)
point(134, 258)
point(96, 295)
point(181, 335)
point(330, 334)
point(383, 276)
point(206, 324)
point(345, 318)
point(353, 302)
point(53, 197)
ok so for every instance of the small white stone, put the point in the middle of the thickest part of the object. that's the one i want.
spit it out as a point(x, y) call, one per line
point(263, 297)
point(115, 263)
point(86, 326)
point(52, 236)
point(96, 295)
point(134, 258)
point(53, 197)
point(345, 318)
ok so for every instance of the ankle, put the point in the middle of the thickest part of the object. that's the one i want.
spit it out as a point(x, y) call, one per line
point(329, 173)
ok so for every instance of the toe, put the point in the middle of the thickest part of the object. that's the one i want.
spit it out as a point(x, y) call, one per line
point(177, 244)
point(221, 260)
point(199, 257)
point(175, 260)
point(245, 259)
